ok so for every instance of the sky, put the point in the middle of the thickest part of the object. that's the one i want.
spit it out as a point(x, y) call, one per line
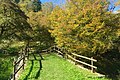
point(117, 8)
point(58, 2)
point(112, 4)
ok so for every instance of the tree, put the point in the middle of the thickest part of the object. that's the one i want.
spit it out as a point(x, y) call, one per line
point(85, 27)
point(47, 8)
point(39, 23)
point(42, 38)
point(36, 5)
point(17, 1)
point(28, 5)
point(13, 22)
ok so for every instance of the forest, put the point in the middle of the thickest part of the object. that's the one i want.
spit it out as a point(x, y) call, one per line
point(84, 27)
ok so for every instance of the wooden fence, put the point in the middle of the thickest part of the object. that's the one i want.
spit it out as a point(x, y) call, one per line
point(74, 57)
point(18, 65)
point(20, 62)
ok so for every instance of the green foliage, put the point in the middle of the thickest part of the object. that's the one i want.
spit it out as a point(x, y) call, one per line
point(41, 37)
point(13, 21)
point(36, 5)
point(5, 67)
point(83, 26)
point(109, 64)
point(12, 51)
point(28, 5)
point(17, 1)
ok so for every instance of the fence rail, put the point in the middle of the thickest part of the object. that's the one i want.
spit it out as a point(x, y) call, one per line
point(84, 57)
point(73, 57)
point(18, 65)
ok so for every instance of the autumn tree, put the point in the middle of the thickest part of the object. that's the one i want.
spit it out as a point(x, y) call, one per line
point(85, 27)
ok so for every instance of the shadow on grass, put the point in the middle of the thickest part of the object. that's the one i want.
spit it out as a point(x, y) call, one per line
point(40, 68)
point(31, 68)
point(38, 74)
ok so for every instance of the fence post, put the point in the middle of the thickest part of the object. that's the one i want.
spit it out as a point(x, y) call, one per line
point(92, 70)
point(75, 58)
point(23, 60)
point(53, 48)
point(50, 50)
point(66, 57)
point(14, 69)
point(28, 53)
point(66, 54)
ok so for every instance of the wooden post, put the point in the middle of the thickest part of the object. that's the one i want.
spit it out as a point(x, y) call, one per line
point(66, 53)
point(54, 48)
point(92, 70)
point(66, 56)
point(50, 50)
point(23, 60)
point(75, 58)
point(22, 51)
point(25, 52)
point(14, 68)
point(28, 54)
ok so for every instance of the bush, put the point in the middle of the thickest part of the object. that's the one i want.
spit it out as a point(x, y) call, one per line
point(12, 51)
point(5, 68)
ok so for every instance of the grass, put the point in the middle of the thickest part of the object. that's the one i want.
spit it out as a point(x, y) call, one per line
point(55, 68)
point(5, 66)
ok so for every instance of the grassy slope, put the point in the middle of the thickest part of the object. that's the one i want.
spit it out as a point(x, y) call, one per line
point(55, 68)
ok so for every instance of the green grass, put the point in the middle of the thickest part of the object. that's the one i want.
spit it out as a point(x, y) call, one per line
point(5, 66)
point(55, 68)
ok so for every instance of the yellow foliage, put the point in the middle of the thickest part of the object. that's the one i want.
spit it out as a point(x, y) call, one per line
point(83, 26)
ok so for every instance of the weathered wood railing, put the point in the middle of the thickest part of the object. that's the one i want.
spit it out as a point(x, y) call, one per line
point(19, 62)
point(18, 65)
point(84, 63)
point(74, 57)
